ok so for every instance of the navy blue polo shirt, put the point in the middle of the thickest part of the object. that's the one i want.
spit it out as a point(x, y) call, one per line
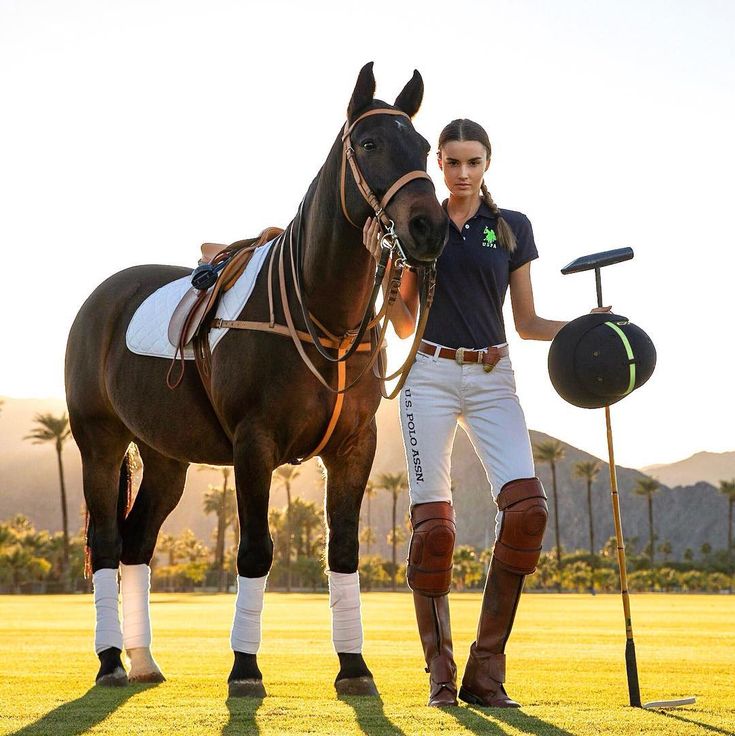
point(473, 272)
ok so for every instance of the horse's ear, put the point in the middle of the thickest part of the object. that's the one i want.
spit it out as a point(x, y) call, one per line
point(411, 95)
point(364, 91)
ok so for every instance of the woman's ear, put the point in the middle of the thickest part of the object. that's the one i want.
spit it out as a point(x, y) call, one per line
point(487, 165)
point(439, 160)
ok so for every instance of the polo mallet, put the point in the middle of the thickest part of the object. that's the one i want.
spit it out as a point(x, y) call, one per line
point(598, 261)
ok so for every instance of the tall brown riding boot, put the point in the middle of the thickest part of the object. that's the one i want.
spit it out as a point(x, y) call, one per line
point(432, 615)
point(484, 674)
point(515, 555)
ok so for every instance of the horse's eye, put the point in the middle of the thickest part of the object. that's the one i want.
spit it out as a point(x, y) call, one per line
point(369, 145)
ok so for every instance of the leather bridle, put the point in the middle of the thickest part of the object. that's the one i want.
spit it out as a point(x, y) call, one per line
point(348, 155)
point(389, 241)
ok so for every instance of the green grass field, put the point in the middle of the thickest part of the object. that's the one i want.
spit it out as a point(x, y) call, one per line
point(565, 664)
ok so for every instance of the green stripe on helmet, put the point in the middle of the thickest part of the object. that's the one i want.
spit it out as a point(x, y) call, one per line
point(629, 352)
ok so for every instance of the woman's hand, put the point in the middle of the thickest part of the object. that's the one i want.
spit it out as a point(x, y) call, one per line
point(601, 309)
point(371, 237)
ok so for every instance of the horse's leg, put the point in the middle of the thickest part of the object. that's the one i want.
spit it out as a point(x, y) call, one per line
point(160, 491)
point(102, 445)
point(254, 465)
point(346, 479)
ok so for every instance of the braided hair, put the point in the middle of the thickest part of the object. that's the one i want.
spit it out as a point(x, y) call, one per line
point(463, 129)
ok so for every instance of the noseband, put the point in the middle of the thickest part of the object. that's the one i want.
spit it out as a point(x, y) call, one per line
point(348, 154)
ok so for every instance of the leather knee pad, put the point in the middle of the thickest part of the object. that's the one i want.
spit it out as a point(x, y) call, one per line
point(430, 553)
point(518, 546)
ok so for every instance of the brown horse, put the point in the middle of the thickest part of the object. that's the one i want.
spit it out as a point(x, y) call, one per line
point(263, 407)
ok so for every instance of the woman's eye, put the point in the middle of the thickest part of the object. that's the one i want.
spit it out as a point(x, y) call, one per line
point(369, 145)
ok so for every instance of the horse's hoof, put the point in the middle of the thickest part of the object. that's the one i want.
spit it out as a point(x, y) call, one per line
point(147, 677)
point(246, 689)
point(356, 686)
point(116, 678)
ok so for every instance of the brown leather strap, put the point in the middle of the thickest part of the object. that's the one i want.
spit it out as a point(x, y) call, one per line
point(428, 298)
point(400, 183)
point(343, 202)
point(242, 324)
point(422, 512)
point(489, 356)
point(337, 410)
point(520, 490)
point(377, 111)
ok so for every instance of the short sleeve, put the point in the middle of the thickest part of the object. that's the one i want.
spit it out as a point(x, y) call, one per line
point(525, 244)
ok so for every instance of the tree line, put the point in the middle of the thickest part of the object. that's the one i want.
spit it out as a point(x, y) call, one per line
point(39, 560)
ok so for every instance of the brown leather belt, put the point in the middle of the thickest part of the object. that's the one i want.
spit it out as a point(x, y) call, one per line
point(488, 357)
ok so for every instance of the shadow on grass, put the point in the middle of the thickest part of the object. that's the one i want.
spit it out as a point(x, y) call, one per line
point(370, 715)
point(242, 716)
point(78, 716)
point(705, 726)
point(490, 720)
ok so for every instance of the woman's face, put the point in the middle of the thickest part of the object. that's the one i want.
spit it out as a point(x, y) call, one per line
point(463, 163)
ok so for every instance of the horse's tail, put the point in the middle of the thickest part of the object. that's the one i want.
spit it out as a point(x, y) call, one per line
point(124, 502)
point(125, 487)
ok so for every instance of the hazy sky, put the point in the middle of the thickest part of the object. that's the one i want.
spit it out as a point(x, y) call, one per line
point(133, 131)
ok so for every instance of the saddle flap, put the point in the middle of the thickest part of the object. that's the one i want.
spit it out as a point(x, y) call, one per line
point(187, 317)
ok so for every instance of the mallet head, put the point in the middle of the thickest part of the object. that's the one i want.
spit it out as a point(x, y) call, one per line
point(598, 260)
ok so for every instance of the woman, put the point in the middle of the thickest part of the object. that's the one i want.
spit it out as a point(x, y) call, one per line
point(463, 375)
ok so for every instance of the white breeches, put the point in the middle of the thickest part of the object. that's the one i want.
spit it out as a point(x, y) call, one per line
point(438, 395)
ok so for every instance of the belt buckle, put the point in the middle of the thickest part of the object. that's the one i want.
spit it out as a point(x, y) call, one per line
point(459, 356)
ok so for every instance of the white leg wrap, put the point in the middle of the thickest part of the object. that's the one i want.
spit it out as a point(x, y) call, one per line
point(245, 635)
point(107, 632)
point(135, 586)
point(344, 600)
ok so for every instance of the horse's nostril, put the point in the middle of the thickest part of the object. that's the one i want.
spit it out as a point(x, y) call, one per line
point(419, 227)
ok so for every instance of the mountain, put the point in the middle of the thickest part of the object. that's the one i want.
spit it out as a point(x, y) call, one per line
point(686, 516)
point(711, 467)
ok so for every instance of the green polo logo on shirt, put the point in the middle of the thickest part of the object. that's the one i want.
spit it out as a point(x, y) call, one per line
point(490, 238)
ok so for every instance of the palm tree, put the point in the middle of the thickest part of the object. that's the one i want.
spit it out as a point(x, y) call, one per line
point(221, 501)
point(168, 543)
point(191, 548)
point(728, 488)
point(56, 429)
point(589, 471)
point(370, 491)
point(647, 487)
point(551, 452)
point(285, 475)
point(394, 483)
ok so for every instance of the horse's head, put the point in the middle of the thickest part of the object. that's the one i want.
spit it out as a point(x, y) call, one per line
point(386, 148)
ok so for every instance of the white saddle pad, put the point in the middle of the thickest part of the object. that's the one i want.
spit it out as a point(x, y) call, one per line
point(147, 332)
